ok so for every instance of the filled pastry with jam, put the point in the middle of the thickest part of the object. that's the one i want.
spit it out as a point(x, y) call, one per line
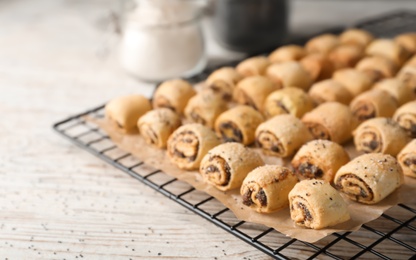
point(188, 145)
point(369, 178)
point(226, 165)
point(266, 188)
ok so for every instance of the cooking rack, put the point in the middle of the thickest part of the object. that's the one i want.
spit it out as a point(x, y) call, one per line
point(391, 236)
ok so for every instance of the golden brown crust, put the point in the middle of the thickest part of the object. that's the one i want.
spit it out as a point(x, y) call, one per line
point(288, 100)
point(330, 90)
point(355, 81)
point(282, 135)
point(266, 188)
point(407, 41)
point(319, 159)
point(331, 121)
point(253, 91)
point(356, 37)
point(226, 165)
point(407, 75)
point(373, 103)
point(397, 89)
point(405, 116)
point(289, 74)
point(407, 159)
point(205, 107)
point(369, 178)
point(188, 145)
point(346, 56)
point(380, 135)
point(223, 81)
point(173, 94)
point(124, 111)
point(318, 66)
point(377, 67)
point(316, 204)
point(287, 53)
point(253, 66)
point(322, 44)
point(238, 124)
point(389, 49)
point(157, 125)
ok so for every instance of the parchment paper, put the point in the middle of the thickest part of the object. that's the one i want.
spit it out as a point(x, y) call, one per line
point(281, 221)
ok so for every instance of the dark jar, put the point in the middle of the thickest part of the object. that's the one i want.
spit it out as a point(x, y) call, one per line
point(250, 26)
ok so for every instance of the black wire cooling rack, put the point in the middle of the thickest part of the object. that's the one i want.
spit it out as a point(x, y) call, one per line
point(391, 236)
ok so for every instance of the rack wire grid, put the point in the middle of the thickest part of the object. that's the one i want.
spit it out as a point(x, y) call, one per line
point(391, 236)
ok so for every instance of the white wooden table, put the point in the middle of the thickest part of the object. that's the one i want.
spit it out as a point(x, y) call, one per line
point(56, 200)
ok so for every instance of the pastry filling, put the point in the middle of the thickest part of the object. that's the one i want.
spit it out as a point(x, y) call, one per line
point(410, 162)
point(223, 88)
point(230, 132)
point(363, 111)
point(354, 187)
point(197, 118)
point(409, 80)
point(255, 195)
point(148, 134)
point(185, 147)
point(218, 172)
point(270, 143)
point(242, 98)
point(162, 101)
point(280, 104)
point(310, 171)
point(318, 131)
point(300, 212)
point(408, 122)
point(369, 141)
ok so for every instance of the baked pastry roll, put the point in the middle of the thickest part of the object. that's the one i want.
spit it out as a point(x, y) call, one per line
point(377, 67)
point(389, 49)
point(126, 110)
point(405, 116)
point(369, 178)
point(319, 159)
point(407, 159)
point(205, 107)
point(411, 61)
point(380, 135)
point(407, 41)
point(373, 103)
point(356, 37)
point(287, 53)
point(265, 189)
point(282, 135)
point(318, 66)
point(223, 81)
point(238, 124)
point(397, 89)
point(346, 56)
point(316, 204)
point(322, 44)
point(355, 81)
point(253, 90)
point(173, 94)
point(289, 74)
point(226, 165)
point(253, 66)
point(157, 125)
point(330, 121)
point(330, 90)
point(288, 100)
point(188, 145)
point(407, 75)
